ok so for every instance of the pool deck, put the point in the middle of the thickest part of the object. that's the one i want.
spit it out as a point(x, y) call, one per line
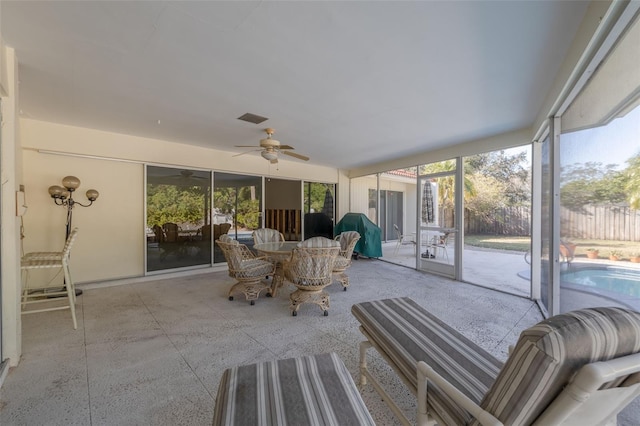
point(508, 271)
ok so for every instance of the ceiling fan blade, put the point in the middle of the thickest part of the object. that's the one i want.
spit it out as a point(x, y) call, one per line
point(247, 146)
point(296, 155)
point(246, 152)
point(285, 147)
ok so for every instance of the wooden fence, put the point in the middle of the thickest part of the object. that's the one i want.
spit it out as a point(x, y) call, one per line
point(515, 221)
point(618, 223)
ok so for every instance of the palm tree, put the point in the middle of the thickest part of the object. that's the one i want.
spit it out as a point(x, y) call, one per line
point(446, 184)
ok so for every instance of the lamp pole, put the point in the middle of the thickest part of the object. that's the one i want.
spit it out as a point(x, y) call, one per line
point(63, 196)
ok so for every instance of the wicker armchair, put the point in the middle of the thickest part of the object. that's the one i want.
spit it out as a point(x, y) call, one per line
point(245, 267)
point(310, 270)
point(348, 241)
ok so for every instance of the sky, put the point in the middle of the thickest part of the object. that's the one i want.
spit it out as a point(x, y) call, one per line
point(611, 144)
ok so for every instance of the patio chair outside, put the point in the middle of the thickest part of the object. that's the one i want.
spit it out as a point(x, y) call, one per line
point(244, 266)
point(403, 239)
point(567, 250)
point(439, 244)
point(348, 241)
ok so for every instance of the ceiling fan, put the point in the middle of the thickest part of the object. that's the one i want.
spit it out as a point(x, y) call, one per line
point(270, 148)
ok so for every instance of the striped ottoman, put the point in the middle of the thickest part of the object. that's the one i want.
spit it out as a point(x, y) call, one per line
point(310, 390)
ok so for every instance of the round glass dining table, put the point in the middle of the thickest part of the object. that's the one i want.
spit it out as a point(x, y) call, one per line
point(277, 252)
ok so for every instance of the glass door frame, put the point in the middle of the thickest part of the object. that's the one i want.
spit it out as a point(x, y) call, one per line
point(147, 272)
point(453, 270)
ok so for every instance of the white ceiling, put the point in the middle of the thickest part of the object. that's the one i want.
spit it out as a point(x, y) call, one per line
point(346, 83)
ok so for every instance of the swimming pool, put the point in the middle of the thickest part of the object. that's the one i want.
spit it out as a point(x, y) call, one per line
point(624, 281)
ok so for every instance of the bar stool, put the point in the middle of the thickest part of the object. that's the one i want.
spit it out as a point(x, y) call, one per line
point(46, 260)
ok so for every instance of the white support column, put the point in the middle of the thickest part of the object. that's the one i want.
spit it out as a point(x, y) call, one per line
point(11, 175)
point(554, 249)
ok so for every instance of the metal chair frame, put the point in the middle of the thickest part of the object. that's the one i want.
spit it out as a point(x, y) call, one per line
point(47, 294)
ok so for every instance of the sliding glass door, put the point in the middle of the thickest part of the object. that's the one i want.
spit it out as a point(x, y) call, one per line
point(319, 209)
point(391, 214)
point(438, 225)
point(177, 218)
point(237, 208)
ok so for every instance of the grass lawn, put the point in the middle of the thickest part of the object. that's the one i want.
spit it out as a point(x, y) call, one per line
point(503, 242)
point(499, 242)
point(604, 247)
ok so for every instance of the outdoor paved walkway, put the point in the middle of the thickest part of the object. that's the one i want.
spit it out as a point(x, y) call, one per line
point(502, 275)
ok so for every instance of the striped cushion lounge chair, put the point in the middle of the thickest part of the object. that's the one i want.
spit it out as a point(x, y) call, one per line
point(581, 367)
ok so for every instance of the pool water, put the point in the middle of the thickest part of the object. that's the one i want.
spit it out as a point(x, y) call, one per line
point(617, 280)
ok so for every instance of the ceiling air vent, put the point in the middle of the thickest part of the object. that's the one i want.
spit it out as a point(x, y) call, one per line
point(252, 118)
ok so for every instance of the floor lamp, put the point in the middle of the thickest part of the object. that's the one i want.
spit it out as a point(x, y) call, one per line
point(63, 196)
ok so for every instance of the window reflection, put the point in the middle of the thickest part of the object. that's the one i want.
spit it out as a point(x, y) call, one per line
point(319, 207)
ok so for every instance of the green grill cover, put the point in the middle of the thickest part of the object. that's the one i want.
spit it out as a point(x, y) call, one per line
point(370, 243)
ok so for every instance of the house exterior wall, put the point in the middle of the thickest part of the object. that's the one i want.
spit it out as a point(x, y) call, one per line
point(360, 197)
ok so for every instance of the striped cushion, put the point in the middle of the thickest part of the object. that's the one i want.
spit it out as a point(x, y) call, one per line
point(319, 242)
point(253, 268)
point(226, 238)
point(311, 390)
point(346, 238)
point(266, 235)
point(548, 354)
point(408, 334)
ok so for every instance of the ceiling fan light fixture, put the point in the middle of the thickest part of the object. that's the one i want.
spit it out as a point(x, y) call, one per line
point(269, 155)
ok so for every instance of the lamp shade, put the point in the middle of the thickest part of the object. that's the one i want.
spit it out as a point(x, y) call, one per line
point(56, 191)
point(269, 155)
point(92, 194)
point(71, 183)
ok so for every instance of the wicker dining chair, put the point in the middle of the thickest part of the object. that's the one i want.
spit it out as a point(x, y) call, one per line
point(249, 269)
point(267, 235)
point(348, 241)
point(310, 270)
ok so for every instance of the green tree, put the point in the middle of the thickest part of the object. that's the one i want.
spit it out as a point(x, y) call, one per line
point(489, 196)
point(446, 184)
point(632, 184)
point(171, 203)
point(241, 203)
point(592, 183)
point(510, 171)
point(314, 195)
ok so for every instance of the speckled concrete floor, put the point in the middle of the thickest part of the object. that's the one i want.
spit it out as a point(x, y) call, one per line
point(154, 352)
